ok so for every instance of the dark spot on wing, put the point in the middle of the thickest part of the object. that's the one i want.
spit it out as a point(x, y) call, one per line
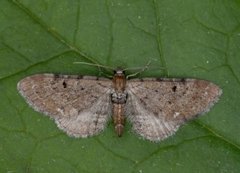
point(156, 91)
point(142, 101)
point(159, 79)
point(79, 77)
point(183, 80)
point(82, 88)
point(64, 84)
point(169, 102)
point(174, 88)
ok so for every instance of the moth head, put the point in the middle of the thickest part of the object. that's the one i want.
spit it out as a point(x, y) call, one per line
point(119, 72)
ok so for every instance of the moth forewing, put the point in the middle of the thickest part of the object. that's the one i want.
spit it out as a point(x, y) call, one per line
point(81, 106)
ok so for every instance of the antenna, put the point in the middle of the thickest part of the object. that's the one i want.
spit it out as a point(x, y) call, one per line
point(96, 65)
point(141, 69)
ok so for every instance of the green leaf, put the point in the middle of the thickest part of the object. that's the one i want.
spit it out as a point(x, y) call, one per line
point(182, 38)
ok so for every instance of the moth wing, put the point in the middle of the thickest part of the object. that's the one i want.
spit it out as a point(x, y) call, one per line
point(80, 106)
point(157, 107)
point(90, 121)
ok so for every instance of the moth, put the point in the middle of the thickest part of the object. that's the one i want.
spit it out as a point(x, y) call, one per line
point(82, 105)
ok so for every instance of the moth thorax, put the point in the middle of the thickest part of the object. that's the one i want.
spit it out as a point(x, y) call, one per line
point(119, 97)
point(119, 81)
